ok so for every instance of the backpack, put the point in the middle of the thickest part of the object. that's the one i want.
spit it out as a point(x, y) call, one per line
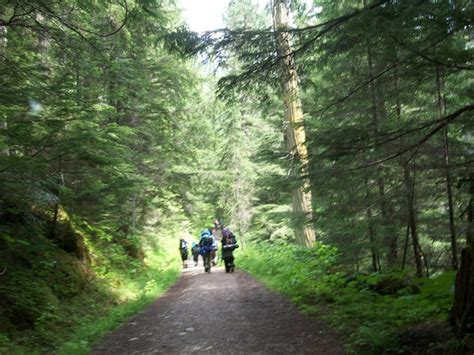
point(229, 244)
point(184, 244)
point(206, 241)
point(205, 244)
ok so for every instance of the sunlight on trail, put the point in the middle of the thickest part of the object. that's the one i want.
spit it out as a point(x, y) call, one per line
point(194, 270)
point(252, 319)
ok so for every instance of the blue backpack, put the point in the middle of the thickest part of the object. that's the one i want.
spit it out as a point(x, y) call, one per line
point(205, 244)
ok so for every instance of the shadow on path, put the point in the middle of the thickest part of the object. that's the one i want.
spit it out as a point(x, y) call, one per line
point(220, 313)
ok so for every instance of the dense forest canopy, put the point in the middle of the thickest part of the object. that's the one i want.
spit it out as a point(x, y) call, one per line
point(328, 124)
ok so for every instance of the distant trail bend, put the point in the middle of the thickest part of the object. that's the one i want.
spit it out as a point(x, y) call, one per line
point(220, 313)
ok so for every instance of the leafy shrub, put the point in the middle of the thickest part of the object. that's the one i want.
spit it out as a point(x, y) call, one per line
point(47, 295)
point(371, 310)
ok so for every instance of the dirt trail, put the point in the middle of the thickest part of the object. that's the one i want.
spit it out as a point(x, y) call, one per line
point(220, 313)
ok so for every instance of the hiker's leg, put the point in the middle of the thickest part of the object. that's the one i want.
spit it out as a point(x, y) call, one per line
point(207, 261)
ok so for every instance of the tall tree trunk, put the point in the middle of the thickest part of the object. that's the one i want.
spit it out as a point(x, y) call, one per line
point(241, 210)
point(377, 107)
point(462, 313)
point(295, 133)
point(410, 198)
point(447, 173)
point(411, 228)
point(405, 247)
point(3, 49)
point(134, 214)
point(54, 222)
point(371, 230)
point(373, 249)
point(57, 192)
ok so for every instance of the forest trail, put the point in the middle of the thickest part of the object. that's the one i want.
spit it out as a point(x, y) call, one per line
point(220, 313)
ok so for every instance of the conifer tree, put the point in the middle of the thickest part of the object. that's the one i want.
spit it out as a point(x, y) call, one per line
point(295, 132)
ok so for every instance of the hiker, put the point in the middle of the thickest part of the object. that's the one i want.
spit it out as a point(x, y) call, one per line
point(229, 244)
point(205, 249)
point(183, 249)
point(215, 247)
point(195, 252)
point(218, 225)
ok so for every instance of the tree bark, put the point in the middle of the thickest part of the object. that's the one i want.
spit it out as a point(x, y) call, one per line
point(371, 230)
point(373, 250)
point(410, 198)
point(3, 48)
point(405, 247)
point(54, 222)
point(134, 214)
point(241, 210)
point(377, 113)
point(447, 172)
point(403, 163)
point(462, 313)
point(295, 133)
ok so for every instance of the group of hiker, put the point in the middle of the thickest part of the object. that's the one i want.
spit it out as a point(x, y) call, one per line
point(208, 248)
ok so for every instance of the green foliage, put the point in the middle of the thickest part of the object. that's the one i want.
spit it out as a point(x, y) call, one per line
point(132, 291)
point(376, 104)
point(92, 122)
point(371, 316)
point(111, 148)
point(51, 300)
point(98, 132)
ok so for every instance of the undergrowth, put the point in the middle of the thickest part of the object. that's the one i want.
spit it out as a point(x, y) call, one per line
point(53, 302)
point(376, 313)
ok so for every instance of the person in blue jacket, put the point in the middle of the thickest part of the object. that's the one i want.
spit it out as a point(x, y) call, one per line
point(205, 249)
point(195, 252)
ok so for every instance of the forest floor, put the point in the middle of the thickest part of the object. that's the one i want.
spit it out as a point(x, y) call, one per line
point(220, 313)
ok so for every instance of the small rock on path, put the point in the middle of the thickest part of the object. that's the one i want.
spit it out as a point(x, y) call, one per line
point(220, 313)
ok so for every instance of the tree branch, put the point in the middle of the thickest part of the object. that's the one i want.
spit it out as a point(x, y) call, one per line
point(444, 121)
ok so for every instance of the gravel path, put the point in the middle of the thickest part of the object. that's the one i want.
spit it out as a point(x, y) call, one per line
point(220, 313)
